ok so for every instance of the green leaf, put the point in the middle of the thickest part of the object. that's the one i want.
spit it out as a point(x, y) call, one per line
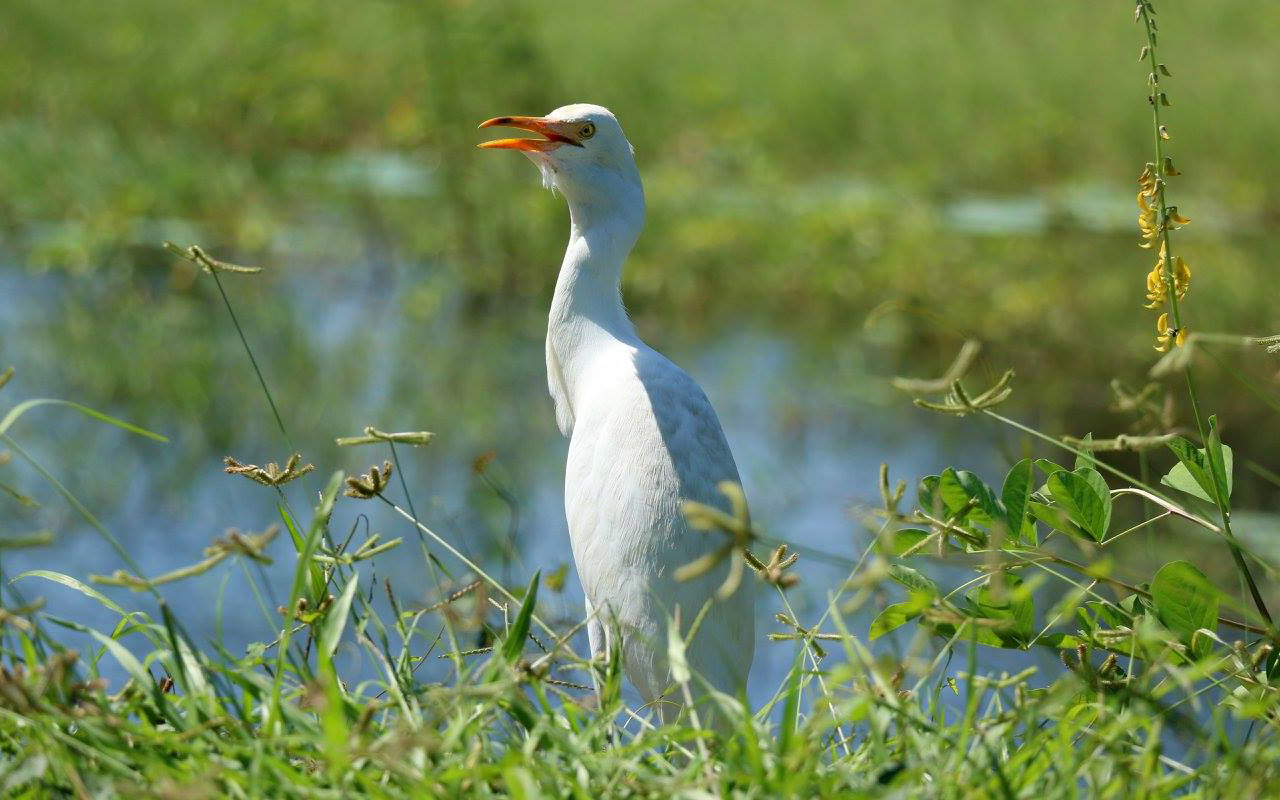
point(319, 524)
point(891, 618)
point(1014, 608)
point(1219, 459)
point(1185, 601)
point(185, 659)
point(315, 574)
point(1194, 472)
point(514, 644)
point(1056, 519)
point(907, 539)
point(1061, 641)
point(1048, 467)
point(127, 660)
point(1084, 496)
point(1015, 495)
point(1084, 458)
point(898, 614)
point(927, 494)
point(22, 408)
point(1109, 614)
point(791, 706)
point(958, 487)
point(336, 619)
point(913, 579)
point(72, 583)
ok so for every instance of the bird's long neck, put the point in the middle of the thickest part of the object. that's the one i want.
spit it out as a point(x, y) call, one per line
point(588, 293)
point(586, 311)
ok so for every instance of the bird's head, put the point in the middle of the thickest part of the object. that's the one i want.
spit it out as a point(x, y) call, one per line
point(582, 152)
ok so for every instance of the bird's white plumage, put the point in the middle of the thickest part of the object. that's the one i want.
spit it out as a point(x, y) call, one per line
point(643, 436)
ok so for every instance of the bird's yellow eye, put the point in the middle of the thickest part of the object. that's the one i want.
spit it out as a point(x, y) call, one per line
point(587, 131)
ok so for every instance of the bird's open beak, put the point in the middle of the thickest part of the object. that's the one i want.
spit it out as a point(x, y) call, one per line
point(554, 133)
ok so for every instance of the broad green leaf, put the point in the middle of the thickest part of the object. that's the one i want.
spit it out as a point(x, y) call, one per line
point(981, 634)
point(1015, 495)
point(1112, 616)
point(1062, 641)
point(1136, 604)
point(913, 579)
point(898, 614)
point(1083, 494)
point(927, 494)
point(1048, 467)
point(514, 644)
point(1057, 519)
point(891, 618)
point(1084, 458)
point(336, 619)
point(1185, 601)
point(958, 487)
point(908, 539)
point(1193, 473)
point(1217, 453)
point(1013, 608)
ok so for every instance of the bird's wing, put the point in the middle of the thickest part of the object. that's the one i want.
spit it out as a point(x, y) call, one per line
point(696, 444)
point(645, 439)
point(690, 431)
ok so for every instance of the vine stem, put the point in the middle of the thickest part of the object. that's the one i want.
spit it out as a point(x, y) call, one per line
point(1166, 270)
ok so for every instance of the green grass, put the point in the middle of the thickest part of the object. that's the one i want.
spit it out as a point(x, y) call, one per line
point(1181, 710)
point(1171, 672)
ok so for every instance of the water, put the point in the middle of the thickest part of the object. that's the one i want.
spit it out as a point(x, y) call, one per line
point(809, 422)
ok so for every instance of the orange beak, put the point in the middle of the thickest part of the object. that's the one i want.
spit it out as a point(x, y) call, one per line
point(554, 134)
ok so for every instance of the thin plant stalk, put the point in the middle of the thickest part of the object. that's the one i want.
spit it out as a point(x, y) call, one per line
point(1160, 168)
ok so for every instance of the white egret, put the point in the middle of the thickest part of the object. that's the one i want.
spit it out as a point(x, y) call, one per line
point(642, 435)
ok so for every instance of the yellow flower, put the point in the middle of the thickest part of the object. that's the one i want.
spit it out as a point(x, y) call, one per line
point(1166, 336)
point(1157, 289)
point(1181, 277)
point(1156, 294)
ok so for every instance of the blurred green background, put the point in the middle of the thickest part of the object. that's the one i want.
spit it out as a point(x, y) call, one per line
point(838, 192)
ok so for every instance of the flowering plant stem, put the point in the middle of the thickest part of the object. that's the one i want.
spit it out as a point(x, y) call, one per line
point(1145, 12)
